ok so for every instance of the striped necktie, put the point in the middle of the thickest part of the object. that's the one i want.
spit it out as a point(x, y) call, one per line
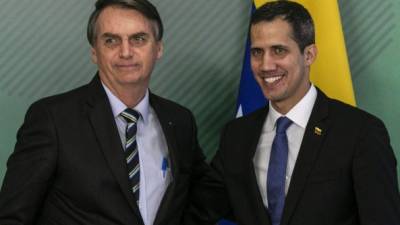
point(131, 150)
point(277, 171)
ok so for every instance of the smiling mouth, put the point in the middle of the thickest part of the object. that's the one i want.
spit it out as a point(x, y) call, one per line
point(271, 80)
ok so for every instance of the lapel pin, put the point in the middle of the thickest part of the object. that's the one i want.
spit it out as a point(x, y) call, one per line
point(317, 131)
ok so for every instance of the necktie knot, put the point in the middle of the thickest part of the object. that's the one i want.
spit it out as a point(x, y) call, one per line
point(130, 115)
point(282, 124)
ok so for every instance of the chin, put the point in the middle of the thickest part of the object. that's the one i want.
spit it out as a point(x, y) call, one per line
point(274, 96)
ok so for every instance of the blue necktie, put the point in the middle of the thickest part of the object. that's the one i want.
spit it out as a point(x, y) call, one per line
point(277, 171)
point(131, 150)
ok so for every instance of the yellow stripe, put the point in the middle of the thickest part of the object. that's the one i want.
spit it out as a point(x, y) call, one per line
point(331, 71)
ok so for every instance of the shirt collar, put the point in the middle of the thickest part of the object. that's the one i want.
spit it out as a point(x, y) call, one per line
point(299, 114)
point(117, 106)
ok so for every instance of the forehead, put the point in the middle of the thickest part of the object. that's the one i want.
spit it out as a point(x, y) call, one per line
point(117, 20)
point(277, 31)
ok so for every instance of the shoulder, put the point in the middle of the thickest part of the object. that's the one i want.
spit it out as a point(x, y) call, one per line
point(348, 112)
point(171, 111)
point(254, 117)
point(166, 104)
point(65, 97)
point(353, 121)
point(339, 112)
point(249, 122)
point(64, 101)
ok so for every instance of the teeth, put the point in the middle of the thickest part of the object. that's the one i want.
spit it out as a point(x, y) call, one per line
point(272, 79)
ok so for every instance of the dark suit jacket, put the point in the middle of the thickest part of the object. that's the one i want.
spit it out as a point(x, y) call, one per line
point(68, 165)
point(346, 174)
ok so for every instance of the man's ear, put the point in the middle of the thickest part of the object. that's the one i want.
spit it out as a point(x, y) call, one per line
point(160, 49)
point(93, 55)
point(310, 54)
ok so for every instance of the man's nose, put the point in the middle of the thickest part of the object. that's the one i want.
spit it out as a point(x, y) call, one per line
point(268, 63)
point(126, 50)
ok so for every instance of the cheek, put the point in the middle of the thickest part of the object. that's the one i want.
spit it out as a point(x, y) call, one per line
point(298, 70)
point(292, 66)
point(106, 60)
point(254, 66)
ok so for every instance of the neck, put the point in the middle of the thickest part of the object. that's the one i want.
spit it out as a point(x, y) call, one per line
point(130, 95)
point(284, 106)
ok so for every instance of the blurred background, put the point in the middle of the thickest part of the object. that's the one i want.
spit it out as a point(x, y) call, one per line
point(44, 51)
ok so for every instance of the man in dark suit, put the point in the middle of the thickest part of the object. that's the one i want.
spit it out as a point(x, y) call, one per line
point(109, 152)
point(305, 158)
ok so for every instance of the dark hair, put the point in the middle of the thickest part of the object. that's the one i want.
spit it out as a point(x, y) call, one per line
point(295, 14)
point(143, 6)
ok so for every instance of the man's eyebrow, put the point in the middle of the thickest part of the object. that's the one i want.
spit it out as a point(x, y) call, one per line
point(139, 34)
point(108, 35)
point(111, 35)
point(279, 46)
point(255, 48)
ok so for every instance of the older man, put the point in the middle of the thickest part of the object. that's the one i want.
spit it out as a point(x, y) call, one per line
point(109, 152)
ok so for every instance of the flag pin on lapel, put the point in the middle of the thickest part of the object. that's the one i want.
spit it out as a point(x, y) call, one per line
point(317, 131)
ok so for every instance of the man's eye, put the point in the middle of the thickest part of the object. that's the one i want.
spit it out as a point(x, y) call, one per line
point(110, 41)
point(256, 52)
point(279, 51)
point(138, 40)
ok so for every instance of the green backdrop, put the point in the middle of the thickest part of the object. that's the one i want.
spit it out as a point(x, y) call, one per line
point(44, 51)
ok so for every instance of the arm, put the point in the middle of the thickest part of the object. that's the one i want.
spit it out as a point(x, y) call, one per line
point(375, 178)
point(29, 169)
point(209, 200)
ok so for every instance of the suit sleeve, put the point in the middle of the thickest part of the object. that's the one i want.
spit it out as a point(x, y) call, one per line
point(375, 178)
point(30, 169)
point(209, 201)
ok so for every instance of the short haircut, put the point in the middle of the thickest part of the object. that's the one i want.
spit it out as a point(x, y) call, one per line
point(295, 14)
point(147, 9)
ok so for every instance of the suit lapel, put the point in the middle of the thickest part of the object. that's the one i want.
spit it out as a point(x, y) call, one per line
point(168, 128)
point(104, 127)
point(245, 155)
point(314, 135)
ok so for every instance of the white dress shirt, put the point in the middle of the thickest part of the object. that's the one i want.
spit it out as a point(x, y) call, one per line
point(153, 151)
point(299, 115)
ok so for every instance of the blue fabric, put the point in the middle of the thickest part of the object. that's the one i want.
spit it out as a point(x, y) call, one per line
point(250, 97)
point(277, 171)
point(226, 222)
